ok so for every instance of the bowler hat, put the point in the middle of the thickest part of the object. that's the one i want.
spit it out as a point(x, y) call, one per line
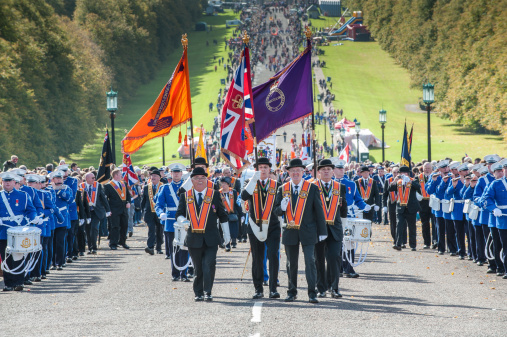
point(199, 171)
point(325, 163)
point(404, 169)
point(295, 163)
point(200, 161)
point(263, 161)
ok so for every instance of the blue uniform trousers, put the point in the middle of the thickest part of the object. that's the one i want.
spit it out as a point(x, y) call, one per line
point(479, 243)
point(459, 227)
point(59, 246)
point(502, 233)
point(45, 254)
point(11, 280)
point(50, 259)
point(486, 232)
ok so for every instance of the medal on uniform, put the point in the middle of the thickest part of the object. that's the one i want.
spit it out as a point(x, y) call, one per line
point(327, 198)
point(17, 202)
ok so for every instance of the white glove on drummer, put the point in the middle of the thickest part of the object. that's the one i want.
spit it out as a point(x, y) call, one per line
point(40, 221)
point(227, 233)
point(284, 203)
point(250, 187)
point(81, 222)
point(418, 196)
point(497, 212)
point(181, 218)
point(384, 209)
point(367, 208)
point(376, 208)
point(187, 184)
point(163, 217)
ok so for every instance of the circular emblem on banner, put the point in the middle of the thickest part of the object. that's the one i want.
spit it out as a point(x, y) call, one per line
point(275, 100)
point(190, 199)
point(207, 199)
point(271, 190)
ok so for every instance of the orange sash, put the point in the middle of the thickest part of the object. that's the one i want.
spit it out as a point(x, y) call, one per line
point(211, 184)
point(92, 199)
point(393, 196)
point(403, 194)
point(365, 195)
point(233, 182)
point(122, 193)
point(267, 207)
point(198, 221)
point(422, 182)
point(295, 214)
point(150, 194)
point(228, 206)
point(331, 209)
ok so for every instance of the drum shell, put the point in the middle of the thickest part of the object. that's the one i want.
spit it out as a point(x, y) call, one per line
point(360, 230)
point(23, 239)
point(180, 234)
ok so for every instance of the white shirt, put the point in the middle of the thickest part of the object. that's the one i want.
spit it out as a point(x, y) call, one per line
point(203, 193)
point(298, 186)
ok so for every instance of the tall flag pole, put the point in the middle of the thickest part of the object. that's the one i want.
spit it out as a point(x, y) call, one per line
point(405, 151)
point(308, 34)
point(106, 160)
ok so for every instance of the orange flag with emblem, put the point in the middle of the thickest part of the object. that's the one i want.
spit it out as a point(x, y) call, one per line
point(171, 109)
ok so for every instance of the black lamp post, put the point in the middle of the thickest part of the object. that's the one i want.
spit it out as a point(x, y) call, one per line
point(428, 98)
point(382, 118)
point(358, 130)
point(112, 106)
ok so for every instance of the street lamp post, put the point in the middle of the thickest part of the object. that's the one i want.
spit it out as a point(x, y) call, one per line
point(382, 118)
point(358, 130)
point(112, 106)
point(428, 98)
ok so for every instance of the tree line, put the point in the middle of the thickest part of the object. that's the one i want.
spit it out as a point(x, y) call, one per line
point(458, 45)
point(59, 57)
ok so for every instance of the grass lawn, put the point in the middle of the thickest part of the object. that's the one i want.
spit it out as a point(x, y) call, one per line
point(365, 79)
point(204, 82)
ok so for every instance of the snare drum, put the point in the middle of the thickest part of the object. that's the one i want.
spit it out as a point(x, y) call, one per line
point(23, 239)
point(473, 213)
point(358, 230)
point(180, 233)
point(446, 205)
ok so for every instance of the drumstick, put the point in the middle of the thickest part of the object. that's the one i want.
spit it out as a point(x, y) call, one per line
point(246, 263)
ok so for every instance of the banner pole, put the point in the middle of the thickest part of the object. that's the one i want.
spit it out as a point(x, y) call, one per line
point(308, 34)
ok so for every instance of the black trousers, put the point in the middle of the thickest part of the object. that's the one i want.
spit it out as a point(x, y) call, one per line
point(331, 251)
point(292, 252)
point(405, 220)
point(204, 260)
point(80, 239)
point(426, 226)
point(92, 232)
point(155, 233)
point(486, 231)
point(459, 227)
point(391, 209)
point(71, 235)
point(118, 232)
point(11, 280)
point(258, 251)
point(451, 236)
point(497, 247)
point(59, 246)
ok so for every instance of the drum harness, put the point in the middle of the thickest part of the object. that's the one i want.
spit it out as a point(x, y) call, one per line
point(175, 246)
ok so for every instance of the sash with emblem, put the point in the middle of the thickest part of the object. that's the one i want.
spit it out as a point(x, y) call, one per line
point(331, 202)
point(92, 199)
point(392, 195)
point(150, 194)
point(264, 214)
point(229, 206)
point(211, 184)
point(365, 194)
point(403, 193)
point(198, 221)
point(121, 192)
point(294, 213)
point(422, 182)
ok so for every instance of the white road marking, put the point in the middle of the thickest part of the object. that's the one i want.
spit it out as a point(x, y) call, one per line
point(256, 312)
point(256, 335)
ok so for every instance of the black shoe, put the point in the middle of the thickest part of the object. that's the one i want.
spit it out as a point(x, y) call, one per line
point(89, 252)
point(396, 247)
point(352, 275)
point(480, 263)
point(53, 268)
point(37, 279)
point(149, 251)
point(336, 294)
point(434, 246)
point(64, 265)
point(160, 252)
point(461, 257)
point(28, 283)
point(190, 275)
point(500, 272)
point(81, 253)
point(74, 258)
point(176, 278)
point(125, 246)
point(257, 295)
point(69, 260)
point(59, 268)
point(274, 295)
point(130, 235)
point(452, 254)
point(505, 277)
point(265, 283)
point(114, 248)
point(221, 246)
point(244, 240)
point(94, 252)
point(185, 279)
point(234, 245)
point(471, 259)
point(8, 288)
point(440, 253)
point(18, 288)
point(313, 300)
point(426, 247)
point(43, 277)
point(199, 298)
point(167, 257)
point(322, 294)
point(491, 271)
point(48, 272)
point(413, 249)
point(227, 248)
point(208, 298)
point(290, 298)
point(403, 246)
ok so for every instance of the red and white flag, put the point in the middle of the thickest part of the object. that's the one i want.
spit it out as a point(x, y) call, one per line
point(345, 154)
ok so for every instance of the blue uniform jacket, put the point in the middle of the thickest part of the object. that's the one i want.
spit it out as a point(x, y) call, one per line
point(53, 199)
point(72, 183)
point(495, 196)
point(442, 187)
point(479, 191)
point(21, 206)
point(381, 182)
point(455, 193)
point(32, 192)
point(50, 212)
point(431, 189)
point(164, 203)
point(467, 193)
point(352, 194)
point(64, 198)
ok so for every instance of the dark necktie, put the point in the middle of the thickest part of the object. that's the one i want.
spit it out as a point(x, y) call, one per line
point(263, 184)
point(295, 195)
point(327, 186)
point(90, 191)
point(199, 199)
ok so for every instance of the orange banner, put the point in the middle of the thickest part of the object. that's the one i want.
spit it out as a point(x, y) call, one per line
point(171, 109)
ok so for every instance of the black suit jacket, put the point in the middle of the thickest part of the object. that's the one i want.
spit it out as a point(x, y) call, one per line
point(336, 230)
point(115, 203)
point(425, 203)
point(82, 204)
point(211, 235)
point(145, 203)
point(413, 203)
point(274, 223)
point(101, 205)
point(313, 223)
point(374, 198)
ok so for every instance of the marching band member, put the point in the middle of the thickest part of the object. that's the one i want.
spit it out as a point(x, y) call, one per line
point(369, 192)
point(381, 180)
point(454, 190)
point(118, 197)
point(334, 205)
point(449, 224)
point(15, 205)
point(299, 201)
point(150, 191)
point(72, 208)
point(427, 223)
point(202, 206)
point(264, 224)
point(391, 197)
point(406, 208)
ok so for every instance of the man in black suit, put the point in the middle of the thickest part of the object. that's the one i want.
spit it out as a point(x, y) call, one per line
point(368, 190)
point(268, 235)
point(155, 230)
point(99, 209)
point(407, 207)
point(235, 183)
point(299, 202)
point(118, 196)
point(334, 203)
point(203, 207)
point(424, 203)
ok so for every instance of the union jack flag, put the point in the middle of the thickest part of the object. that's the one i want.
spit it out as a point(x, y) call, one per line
point(128, 173)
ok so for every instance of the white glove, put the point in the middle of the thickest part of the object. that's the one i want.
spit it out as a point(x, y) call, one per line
point(238, 201)
point(81, 222)
point(89, 220)
point(163, 217)
point(497, 212)
point(181, 218)
point(227, 233)
point(40, 221)
point(418, 196)
point(284, 203)
point(322, 237)
point(187, 184)
point(406, 179)
point(242, 219)
point(367, 208)
point(376, 208)
point(1, 222)
point(108, 214)
point(250, 187)
point(384, 209)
